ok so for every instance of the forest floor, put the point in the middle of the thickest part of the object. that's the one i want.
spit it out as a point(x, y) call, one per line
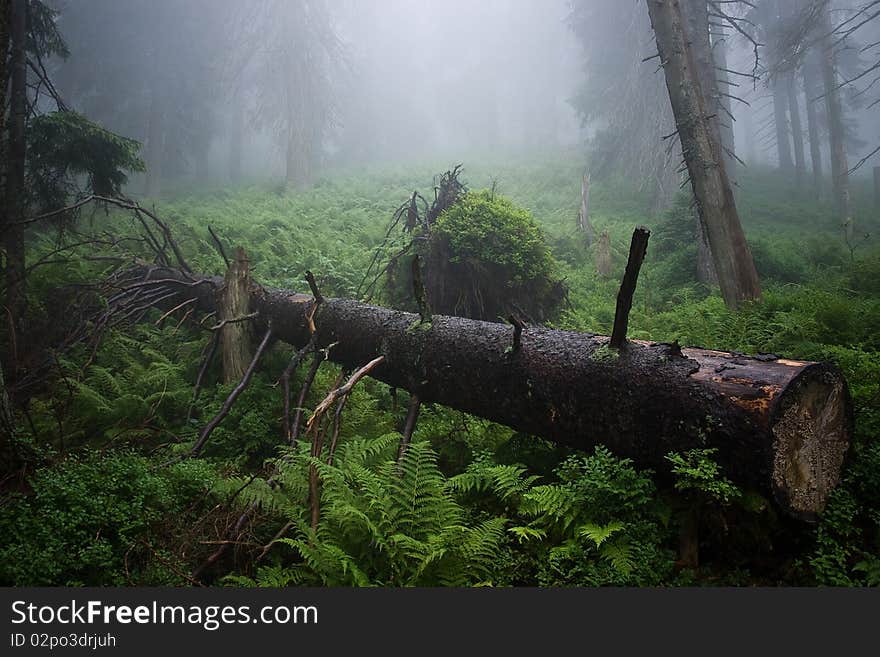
point(507, 509)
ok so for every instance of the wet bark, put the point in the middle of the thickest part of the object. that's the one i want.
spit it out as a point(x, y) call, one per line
point(812, 90)
point(780, 425)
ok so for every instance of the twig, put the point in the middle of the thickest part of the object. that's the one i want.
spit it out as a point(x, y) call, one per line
point(206, 361)
point(234, 320)
point(177, 307)
point(412, 416)
point(227, 405)
point(219, 245)
point(285, 381)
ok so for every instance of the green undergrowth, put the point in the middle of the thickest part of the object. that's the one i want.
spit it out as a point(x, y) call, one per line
point(474, 503)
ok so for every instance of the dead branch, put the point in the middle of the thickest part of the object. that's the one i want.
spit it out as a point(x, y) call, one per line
point(230, 400)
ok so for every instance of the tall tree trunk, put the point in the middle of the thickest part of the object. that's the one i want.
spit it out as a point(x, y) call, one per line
point(780, 120)
point(733, 259)
point(797, 131)
point(697, 30)
point(725, 117)
point(812, 91)
point(15, 173)
point(781, 425)
point(836, 129)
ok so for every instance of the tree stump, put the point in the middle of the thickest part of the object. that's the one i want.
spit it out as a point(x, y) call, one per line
point(234, 307)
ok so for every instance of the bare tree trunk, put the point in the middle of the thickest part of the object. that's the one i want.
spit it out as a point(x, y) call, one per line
point(737, 276)
point(235, 338)
point(15, 174)
point(780, 120)
point(812, 92)
point(725, 117)
point(797, 131)
point(836, 129)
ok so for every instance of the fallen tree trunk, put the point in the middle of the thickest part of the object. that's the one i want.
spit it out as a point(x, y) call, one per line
point(780, 425)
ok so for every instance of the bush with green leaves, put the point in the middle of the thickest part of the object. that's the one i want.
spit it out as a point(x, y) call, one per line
point(599, 523)
point(486, 257)
point(102, 519)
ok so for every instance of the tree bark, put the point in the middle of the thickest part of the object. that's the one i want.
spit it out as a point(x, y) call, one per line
point(725, 117)
point(836, 129)
point(705, 265)
point(780, 425)
point(780, 121)
point(235, 337)
point(15, 174)
point(812, 91)
point(737, 276)
point(797, 132)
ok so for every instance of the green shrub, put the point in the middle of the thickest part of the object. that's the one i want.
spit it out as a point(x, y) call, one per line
point(90, 519)
point(487, 257)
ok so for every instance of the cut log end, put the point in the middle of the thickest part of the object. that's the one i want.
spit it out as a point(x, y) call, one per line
point(812, 427)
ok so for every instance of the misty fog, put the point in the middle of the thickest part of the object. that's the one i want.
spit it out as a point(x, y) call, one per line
point(544, 293)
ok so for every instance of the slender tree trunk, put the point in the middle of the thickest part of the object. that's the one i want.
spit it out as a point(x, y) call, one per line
point(780, 120)
point(725, 117)
point(797, 131)
point(836, 129)
point(812, 92)
point(699, 45)
point(737, 276)
point(15, 174)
